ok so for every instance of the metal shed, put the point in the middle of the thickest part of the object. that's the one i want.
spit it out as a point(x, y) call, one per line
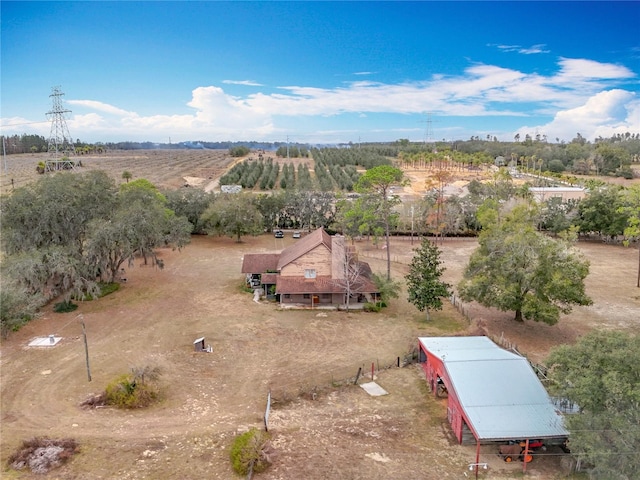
point(493, 395)
point(199, 345)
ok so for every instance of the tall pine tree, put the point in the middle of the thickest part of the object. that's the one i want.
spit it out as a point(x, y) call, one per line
point(423, 280)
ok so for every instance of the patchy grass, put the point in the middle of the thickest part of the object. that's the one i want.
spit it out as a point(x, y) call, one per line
point(65, 307)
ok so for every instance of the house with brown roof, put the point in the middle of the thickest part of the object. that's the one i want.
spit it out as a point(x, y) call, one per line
point(319, 269)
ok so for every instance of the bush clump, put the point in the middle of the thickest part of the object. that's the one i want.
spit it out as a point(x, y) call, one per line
point(64, 307)
point(137, 389)
point(251, 452)
point(41, 454)
point(105, 289)
point(374, 307)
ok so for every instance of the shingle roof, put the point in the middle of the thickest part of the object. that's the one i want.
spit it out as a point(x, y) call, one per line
point(322, 284)
point(260, 262)
point(499, 392)
point(304, 245)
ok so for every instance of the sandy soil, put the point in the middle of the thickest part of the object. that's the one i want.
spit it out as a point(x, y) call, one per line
point(323, 427)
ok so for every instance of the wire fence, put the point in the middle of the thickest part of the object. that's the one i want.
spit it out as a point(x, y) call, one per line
point(319, 381)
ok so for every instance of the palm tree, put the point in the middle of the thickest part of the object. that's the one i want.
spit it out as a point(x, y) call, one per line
point(126, 175)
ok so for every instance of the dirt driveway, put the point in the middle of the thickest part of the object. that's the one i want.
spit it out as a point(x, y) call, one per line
point(322, 428)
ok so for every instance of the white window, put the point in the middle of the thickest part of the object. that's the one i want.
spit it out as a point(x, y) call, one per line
point(310, 273)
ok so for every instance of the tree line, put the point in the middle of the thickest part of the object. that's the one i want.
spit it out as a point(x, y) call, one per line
point(69, 234)
point(66, 233)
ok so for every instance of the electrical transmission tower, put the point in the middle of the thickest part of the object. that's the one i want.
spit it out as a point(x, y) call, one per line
point(428, 134)
point(60, 142)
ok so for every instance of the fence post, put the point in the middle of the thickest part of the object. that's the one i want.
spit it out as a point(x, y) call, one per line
point(266, 413)
point(358, 375)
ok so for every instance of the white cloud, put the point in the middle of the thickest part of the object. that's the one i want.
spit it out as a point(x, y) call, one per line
point(539, 48)
point(102, 107)
point(249, 83)
point(604, 114)
point(582, 92)
point(580, 68)
point(533, 49)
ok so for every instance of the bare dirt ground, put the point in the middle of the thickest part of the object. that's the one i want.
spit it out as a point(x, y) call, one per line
point(323, 428)
point(164, 168)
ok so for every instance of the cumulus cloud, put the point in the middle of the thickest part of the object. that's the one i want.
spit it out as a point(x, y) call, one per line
point(583, 95)
point(602, 115)
point(581, 68)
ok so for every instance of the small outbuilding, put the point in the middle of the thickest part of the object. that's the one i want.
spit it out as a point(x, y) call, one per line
point(542, 194)
point(493, 395)
point(199, 345)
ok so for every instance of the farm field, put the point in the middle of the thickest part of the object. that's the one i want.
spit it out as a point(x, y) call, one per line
point(164, 168)
point(322, 427)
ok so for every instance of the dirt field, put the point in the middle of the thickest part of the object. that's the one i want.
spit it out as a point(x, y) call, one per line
point(322, 428)
point(164, 168)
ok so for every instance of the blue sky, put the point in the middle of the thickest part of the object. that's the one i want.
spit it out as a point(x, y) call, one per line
point(322, 72)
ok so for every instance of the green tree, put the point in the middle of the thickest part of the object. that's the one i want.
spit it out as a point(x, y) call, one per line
point(139, 225)
point(610, 158)
point(55, 210)
point(270, 206)
point(155, 225)
point(519, 269)
point(356, 217)
point(377, 183)
point(556, 215)
point(424, 286)
point(126, 176)
point(45, 228)
point(234, 215)
point(16, 305)
point(387, 288)
point(189, 203)
point(601, 375)
point(631, 208)
point(600, 212)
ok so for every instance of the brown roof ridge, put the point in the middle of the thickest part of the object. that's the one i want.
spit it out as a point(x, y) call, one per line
point(304, 245)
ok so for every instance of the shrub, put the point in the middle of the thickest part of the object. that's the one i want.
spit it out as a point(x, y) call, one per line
point(41, 454)
point(372, 307)
point(105, 289)
point(133, 390)
point(624, 172)
point(64, 307)
point(251, 451)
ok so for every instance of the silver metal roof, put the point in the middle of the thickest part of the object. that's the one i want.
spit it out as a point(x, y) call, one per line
point(498, 390)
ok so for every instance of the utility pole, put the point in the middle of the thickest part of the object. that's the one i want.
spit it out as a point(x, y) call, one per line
point(86, 347)
point(4, 155)
point(287, 147)
point(411, 224)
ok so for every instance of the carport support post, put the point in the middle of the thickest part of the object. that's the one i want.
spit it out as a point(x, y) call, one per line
point(524, 456)
point(477, 457)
